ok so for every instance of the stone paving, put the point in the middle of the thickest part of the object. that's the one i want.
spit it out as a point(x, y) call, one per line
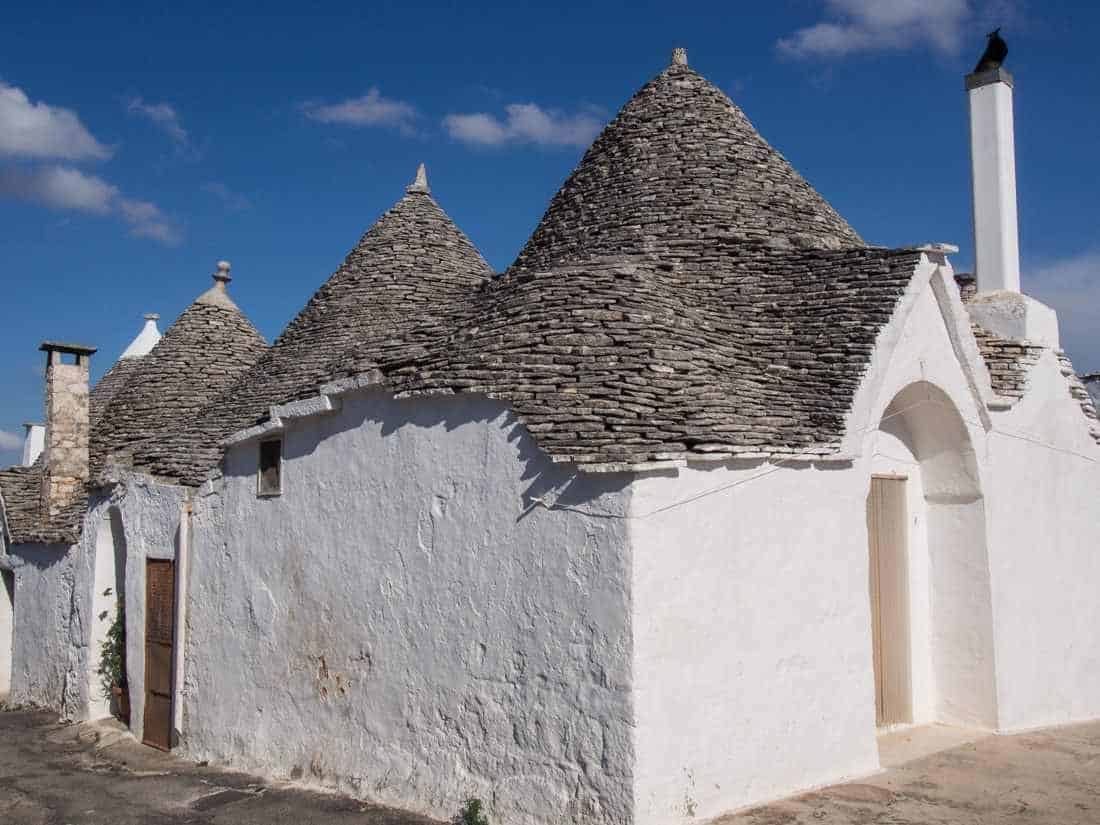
point(1047, 777)
point(53, 774)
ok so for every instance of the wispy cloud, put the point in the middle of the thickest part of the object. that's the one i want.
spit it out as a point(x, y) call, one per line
point(10, 441)
point(38, 131)
point(1072, 287)
point(65, 188)
point(852, 26)
point(372, 109)
point(524, 123)
point(233, 201)
point(163, 115)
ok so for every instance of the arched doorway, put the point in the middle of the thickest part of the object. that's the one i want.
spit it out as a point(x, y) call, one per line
point(931, 607)
point(108, 603)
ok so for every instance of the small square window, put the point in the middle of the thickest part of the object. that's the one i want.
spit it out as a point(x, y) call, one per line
point(270, 480)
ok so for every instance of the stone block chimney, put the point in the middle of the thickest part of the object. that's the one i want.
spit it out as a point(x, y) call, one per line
point(67, 424)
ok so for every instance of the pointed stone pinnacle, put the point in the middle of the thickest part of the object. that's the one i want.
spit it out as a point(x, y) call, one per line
point(222, 276)
point(421, 182)
point(679, 57)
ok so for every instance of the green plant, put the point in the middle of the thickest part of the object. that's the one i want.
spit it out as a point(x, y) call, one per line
point(470, 814)
point(112, 671)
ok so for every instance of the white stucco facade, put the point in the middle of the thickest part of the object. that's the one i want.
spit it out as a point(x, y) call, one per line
point(431, 609)
point(406, 624)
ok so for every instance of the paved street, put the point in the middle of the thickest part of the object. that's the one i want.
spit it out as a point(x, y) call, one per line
point(59, 775)
point(1049, 777)
point(83, 775)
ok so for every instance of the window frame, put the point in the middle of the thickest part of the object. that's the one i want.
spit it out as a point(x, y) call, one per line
point(260, 491)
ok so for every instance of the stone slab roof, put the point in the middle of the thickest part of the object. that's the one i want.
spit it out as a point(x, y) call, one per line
point(625, 362)
point(393, 290)
point(1081, 392)
point(1009, 361)
point(201, 355)
point(107, 387)
point(682, 167)
point(21, 491)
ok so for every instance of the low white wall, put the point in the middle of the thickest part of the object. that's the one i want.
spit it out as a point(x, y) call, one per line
point(401, 624)
point(43, 634)
point(1045, 535)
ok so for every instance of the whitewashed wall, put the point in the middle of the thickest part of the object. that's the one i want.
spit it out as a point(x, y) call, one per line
point(1045, 528)
point(44, 633)
point(752, 639)
point(403, 625)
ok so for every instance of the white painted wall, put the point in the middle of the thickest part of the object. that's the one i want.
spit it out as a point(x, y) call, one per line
point(137, 520)
point(42, 638)
point(402, 624)
point(109, 583)
point(1045, 531)
point(7, 629)
point(751, 612)
point(33, 443)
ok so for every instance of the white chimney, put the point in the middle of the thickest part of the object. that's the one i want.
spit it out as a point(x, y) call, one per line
point(993, 167)
point(998, 304)
point(34, 443)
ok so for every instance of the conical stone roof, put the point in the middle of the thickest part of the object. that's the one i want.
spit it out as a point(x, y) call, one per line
point(200, 356)
point(679, 170)
point(394, 289)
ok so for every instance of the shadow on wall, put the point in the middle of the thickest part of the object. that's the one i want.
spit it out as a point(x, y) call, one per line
point(393, 415)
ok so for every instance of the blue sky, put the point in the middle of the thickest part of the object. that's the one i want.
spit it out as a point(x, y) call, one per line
point(137, 147)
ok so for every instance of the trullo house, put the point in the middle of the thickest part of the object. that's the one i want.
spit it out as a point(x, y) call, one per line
point(670, 518)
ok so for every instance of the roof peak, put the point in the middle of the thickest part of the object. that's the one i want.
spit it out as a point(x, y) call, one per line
point(420, 184)
point(146, 339)
point(680, 173)
point(218, 295)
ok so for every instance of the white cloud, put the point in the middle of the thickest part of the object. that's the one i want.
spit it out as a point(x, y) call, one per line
point(884, 25)
point(234, 201)
point(369, 110)
point(147, 221)
point(1072, 287)
point(61, 187)
point(10, 441)
point(163, 115)
point(37, 130)
point(524, 123)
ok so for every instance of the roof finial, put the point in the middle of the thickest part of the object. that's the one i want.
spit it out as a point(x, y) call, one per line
point(152, 316)
point(679, 56)
point(421, 182)
point(222, 277)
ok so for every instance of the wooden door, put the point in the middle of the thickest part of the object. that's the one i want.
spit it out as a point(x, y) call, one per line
point(160, 621)
point(887, 526)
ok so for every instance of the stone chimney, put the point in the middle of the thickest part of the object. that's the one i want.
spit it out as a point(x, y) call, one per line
point(33, 443)
point(993, 172)
point(66, 443)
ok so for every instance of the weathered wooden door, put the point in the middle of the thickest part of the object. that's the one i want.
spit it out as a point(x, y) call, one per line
point(887, 526)
point(160, 620)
